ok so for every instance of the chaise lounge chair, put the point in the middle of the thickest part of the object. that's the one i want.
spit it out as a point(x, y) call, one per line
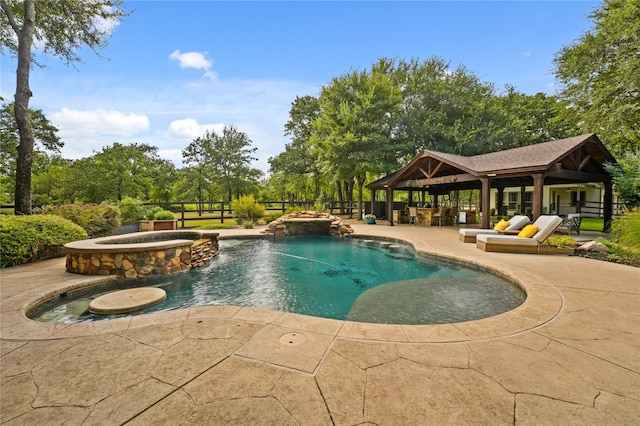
point(516, 223)
point(544, 227)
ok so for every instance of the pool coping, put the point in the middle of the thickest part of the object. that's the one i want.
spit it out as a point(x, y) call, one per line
point(117, 243)
point(543, 303)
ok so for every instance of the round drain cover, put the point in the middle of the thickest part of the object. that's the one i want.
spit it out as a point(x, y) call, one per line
point(125, 301)
point(292, 339)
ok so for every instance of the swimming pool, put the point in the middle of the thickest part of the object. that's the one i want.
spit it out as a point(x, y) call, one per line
point(341, 278)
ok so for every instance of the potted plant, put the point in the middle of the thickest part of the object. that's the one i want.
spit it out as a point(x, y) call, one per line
point(163, 220)
point(370, 219)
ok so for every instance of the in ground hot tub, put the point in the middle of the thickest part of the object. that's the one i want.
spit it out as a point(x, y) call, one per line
point(143, 254)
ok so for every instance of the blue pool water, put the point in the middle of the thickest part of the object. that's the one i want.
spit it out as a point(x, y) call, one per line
point(355, 279)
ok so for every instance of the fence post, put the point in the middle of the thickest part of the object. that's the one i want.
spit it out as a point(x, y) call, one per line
point(221, 211)
point(283, 209)
point(182, 214)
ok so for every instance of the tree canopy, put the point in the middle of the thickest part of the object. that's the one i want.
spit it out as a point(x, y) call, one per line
point(368, 123)
point(600, 76)
point(222, 163)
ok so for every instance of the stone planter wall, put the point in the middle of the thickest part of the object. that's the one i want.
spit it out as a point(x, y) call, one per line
point(161, 255)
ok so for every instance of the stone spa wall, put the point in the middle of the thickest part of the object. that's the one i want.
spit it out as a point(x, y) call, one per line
point(142, 255)
point(308, 223)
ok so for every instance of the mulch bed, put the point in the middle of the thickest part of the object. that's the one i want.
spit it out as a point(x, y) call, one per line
point(605, 257)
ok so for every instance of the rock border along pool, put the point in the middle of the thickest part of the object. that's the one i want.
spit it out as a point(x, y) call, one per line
point(143, 254)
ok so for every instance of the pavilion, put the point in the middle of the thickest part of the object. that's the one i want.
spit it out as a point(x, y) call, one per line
point(574, 160)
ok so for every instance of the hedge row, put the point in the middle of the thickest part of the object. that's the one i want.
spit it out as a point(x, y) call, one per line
point(99, 220)
point(31, 238)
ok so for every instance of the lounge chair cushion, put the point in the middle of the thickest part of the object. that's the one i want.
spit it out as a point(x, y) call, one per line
point(506, 240)
point(528, 231)
point(547, 224)
point(502, 225)
point(468, 235)
point(517, 222)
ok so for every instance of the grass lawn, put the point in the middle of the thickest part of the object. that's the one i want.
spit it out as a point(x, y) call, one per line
point(591, 224)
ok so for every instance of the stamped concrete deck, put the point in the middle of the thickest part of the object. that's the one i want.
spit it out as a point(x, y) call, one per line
point(569, 355)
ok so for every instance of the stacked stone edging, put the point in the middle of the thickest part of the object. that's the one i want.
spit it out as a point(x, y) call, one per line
point(129, 262)
point(281, 226)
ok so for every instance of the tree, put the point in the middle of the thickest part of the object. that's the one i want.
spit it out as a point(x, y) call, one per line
point(297, 168)
point(531, 119)
point(231, 158)
point(223, 161)
point(197, 176)
point(600, 76)
point(55, 183)
point(118, 171)
point(63, 27)
point(45, 141)
point(353, 134)
point(626, 179)
point(446, 110)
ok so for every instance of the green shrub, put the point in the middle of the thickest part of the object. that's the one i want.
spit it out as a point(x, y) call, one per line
point(319, 206)
point(98, 220)
point(150, 212)
point(248, 224)
point(270, 217)
point(245, 209)
point(626, 230)
point(164, 215)
point(30, 238)
point(619, 253)
point(132, 210)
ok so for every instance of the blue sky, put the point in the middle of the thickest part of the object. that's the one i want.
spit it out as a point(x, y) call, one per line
point(175, 69)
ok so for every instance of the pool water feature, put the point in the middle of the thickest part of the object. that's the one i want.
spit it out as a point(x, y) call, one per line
point(340, 278)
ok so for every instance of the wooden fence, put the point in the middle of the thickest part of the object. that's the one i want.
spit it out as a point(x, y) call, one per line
point(190, 211)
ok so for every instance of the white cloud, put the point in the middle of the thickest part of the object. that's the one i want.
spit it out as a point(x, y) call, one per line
point(174, 155)
point(190, 129)
point(98, 122)
point(527, 53)
point(164, 113)
point(195, 60)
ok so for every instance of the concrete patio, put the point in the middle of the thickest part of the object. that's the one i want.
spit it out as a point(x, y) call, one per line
point(569, 355)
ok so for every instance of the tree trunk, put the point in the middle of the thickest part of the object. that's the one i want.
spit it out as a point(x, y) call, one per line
point(349, 188)
point(340, 196)
point(360, 181)
point(23, 94)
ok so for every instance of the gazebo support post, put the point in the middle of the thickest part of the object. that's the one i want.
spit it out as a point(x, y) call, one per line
point(373, 201)
point(538, 190)
point(608, 206)
point(390, 205)
point(486, 201)
point(500, 200)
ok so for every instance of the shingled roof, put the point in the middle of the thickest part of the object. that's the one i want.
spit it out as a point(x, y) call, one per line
point(580, 154)
point(531, 156)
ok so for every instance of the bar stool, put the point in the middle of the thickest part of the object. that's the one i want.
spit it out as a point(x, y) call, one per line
point(413, 216)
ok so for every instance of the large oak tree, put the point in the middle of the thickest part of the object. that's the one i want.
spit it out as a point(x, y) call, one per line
point(62, 27)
